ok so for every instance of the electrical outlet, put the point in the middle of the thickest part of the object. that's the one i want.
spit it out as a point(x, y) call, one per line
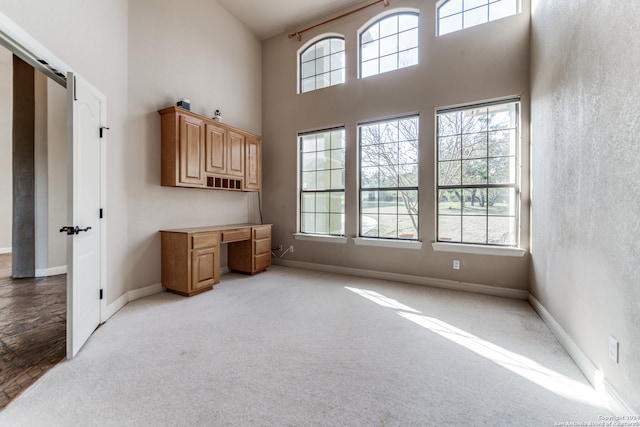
point(613, 349)
point(456, 264)
point(291, 248)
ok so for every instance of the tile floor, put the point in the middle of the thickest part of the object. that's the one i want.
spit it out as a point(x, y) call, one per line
point(32, 329)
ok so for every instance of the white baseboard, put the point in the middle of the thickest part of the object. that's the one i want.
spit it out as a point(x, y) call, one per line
point(51, 271)
point(407, 278)
point(126, 298)
point(5, 250)
point(617, 404)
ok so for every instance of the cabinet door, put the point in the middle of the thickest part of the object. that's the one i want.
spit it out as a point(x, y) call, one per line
point(235, 154)
point(191, 151)
point(204, 268)
point(215, 141)
point(252, 164)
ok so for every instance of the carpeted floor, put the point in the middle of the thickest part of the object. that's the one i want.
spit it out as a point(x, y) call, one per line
point(297, 347)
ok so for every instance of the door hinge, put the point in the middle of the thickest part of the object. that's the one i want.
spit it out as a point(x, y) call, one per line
point(101, 294)
point(75, 85)
point(102, 128)
point(100, 213)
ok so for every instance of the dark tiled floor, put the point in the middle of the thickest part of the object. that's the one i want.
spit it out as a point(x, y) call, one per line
point(32, 328)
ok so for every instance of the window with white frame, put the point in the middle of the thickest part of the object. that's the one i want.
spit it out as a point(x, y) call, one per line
point(389, 44)
point(477, 158)
point(322, 165)
point(322, 64)
point(455, 15)
point(389, 178)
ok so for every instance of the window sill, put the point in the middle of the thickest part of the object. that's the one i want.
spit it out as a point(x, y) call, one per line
point(320, 238)
point(387, 243)
point(478, 249)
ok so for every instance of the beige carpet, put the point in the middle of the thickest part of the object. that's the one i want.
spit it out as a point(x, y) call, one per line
point(296, 347)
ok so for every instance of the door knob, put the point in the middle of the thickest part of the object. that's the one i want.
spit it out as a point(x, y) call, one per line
point(71, 230)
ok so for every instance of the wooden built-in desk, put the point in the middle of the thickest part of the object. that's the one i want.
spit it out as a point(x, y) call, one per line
point(191, 256)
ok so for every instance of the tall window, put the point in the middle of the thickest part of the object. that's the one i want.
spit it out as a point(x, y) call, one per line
point(389, 44)
point(322, 182)
point(389, 179)
point(322, 64)
point(478, 193)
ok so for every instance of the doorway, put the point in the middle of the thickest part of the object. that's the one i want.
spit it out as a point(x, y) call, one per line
point(33, 309)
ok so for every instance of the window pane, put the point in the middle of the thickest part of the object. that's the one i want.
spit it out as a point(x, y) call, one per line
point(389, 176)
point(309, 161)
point(308, 84)
point(388, 63)
point(370, 177)
point(474, 145)
point(372, 33)
point(308, 223)
point(408, 152)
point(408, 201)
point(502, 116)
point(309, 143)
point(370, 50)
point(472, 4)
point(323, 48)
point(474, 201)
point(336, 224)
point(337, 139)
point(450, 228)
point(408, 58)
point(449, 202)
point(502, 8)
point(450, 7)
point(501, 231)
point(308, 180)
point(322, 202)
point(389, 45)
point(449, 148)
point(369, 225)
point(408, 175)
point(502, 202)
point(408, 39)
point(406, 227)
point(370, 68)
point(337, 179)
point(369, 202)
point(474, 171)
point(502, 143)
point(407, 22)
point(476, 17)
point(450, 173)
point(450, 123)
point(502, 170)
point(337, 45)
point(388, 202)
point(322, 80)
point(308, 202)
point(323, 180)
point(389, 26)
point(322, 223)
point(337, 159)
point(308, 54)
point(308, 69)
point(450, 24)
point(474, 120)
point(474, 229)
point(336, 203)
point(337, 61)
point(388, 226)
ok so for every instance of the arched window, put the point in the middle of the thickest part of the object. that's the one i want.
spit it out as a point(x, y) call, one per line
point(390, 43)
point(455, 15)
point(322, 64)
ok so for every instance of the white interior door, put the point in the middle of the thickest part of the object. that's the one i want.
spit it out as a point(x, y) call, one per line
point(87, 110)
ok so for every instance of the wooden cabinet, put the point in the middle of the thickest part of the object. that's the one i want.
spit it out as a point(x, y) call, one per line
point(190, 261)
point(203, 153)
point(258, 248)
point(191, 256)
point(253, 162)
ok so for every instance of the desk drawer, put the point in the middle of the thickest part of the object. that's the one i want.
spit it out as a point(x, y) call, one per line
point(263, 246)
point(236, 235)
point(205, 240)
point(262, 232)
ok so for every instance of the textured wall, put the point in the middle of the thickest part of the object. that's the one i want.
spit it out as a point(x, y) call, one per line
point(480, 63)
point(585, 207)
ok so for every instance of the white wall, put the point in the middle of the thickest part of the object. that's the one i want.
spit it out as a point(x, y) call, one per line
point(585, 204)
point(480, 63)
point(144, 55)
point(6, 142)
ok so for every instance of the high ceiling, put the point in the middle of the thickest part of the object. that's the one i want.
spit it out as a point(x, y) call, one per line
point(267, 18)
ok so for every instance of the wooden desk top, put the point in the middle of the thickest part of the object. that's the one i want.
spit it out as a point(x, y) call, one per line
point(212, 228)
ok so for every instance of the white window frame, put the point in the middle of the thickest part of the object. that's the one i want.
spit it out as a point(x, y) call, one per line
point(306, 46)
point(369, 23)
point(488, 3)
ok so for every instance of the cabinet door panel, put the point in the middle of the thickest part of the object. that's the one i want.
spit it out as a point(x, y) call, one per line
point(235, 153)
point(215, 149)
point(252, 164)
point(204, 270)
point(191, 155)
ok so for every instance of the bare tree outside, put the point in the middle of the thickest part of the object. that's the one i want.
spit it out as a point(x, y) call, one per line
point(477, 193)
point(389, 179)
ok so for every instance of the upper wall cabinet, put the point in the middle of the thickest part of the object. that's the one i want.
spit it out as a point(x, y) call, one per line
point(199, 152)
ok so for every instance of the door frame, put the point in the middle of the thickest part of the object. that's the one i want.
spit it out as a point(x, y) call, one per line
point(30, 50)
